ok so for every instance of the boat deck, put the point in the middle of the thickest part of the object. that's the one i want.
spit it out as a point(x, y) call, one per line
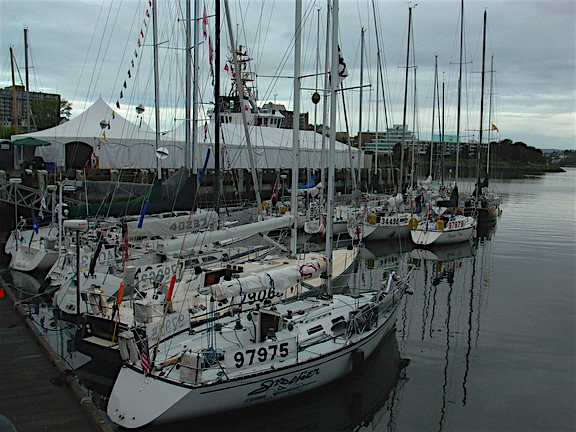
point(35, 392)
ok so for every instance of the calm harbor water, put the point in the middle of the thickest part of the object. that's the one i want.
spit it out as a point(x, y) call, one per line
point(486, 343)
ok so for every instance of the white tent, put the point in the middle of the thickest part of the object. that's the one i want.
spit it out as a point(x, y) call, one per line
point(272, 147)
point(107, 139)
point(110, 141)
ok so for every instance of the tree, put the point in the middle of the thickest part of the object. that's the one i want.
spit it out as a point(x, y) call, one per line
point(65, 108)
point(49, 113)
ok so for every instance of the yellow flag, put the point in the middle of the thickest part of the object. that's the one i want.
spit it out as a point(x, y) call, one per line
point(495, 128)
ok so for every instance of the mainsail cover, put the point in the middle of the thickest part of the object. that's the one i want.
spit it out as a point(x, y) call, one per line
point(165, 226)
point(220, 235)
point(279, 279)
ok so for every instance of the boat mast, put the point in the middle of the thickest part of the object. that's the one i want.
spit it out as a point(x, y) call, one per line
point(403, 143)
point(379, 80)
point(433, 111)
point(27, 80)
point(188, 90)
point(331, 154)
point(490, 126)
point(296, 125)
point(217, 118)
point(326, 94)
point(443, 131)
point(240, 89)
point(156, 83)
point(14, 98)
point(459, 95)
point(360, 102)
point(479, 151)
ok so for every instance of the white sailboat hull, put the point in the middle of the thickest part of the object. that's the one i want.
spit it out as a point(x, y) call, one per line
point(32, 258)
point(461, 231)
point(137, 400)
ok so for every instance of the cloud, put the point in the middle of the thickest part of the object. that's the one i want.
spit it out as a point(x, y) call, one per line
point(83, 50)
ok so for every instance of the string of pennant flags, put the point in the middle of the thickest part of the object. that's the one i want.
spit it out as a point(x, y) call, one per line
point(140, 41)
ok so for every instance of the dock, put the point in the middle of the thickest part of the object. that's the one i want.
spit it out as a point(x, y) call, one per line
point(38, 392)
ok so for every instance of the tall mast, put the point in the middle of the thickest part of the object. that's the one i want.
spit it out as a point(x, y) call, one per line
point(296, 125)
point(459, 94)
point(156, 82)
point(479, 151)
point(379, 80)
point(401, 181)
point(326, 93)
point(217, 118)
point(331, 154)
point(433, 111)
point(490, 116)
point(195, 90)
point(188, 89)
point(443, 133)
point(360, 108)
point(240, 83)
point(14, 98)
point(27, 80)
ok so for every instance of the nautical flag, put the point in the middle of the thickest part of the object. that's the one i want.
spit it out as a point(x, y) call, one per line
point(141, 220)
point(104, 134)
point(125, 84)
point(121, 94)
point(495, 128)
point(129, 74)
point(211, 49)
point(113, 114)
point(139, 43)
point(43, 203)
point(132, 63)
point(145, 358)
point(342, 71)
point(141, 33)
point(35, 226)
point(226, 68)
point(118, 104)
point(204, 23)
point(147, 13)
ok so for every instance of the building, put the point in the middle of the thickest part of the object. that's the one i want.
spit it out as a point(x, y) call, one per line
point(385, 142)
point(46, 105)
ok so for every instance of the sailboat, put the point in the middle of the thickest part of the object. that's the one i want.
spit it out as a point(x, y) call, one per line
point(445, 222)
point(389, 220)
point(253, 356)
point(485, 201)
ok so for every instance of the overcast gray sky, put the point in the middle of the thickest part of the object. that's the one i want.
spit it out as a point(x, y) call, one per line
point(84, 49)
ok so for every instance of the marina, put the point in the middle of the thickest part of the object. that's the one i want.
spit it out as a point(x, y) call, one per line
point(485, 343)
point(187, 255)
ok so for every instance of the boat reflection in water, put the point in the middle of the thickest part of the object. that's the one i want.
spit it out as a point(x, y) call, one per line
point(453, 284)
point(357, 400)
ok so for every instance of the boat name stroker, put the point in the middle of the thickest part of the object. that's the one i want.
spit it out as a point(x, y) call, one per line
point(273, 387)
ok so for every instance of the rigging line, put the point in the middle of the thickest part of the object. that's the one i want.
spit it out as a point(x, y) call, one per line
point(116, 80)
point(93, 77)
point(87, 55)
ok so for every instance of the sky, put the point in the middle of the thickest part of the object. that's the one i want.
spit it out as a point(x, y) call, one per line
point(87, 49)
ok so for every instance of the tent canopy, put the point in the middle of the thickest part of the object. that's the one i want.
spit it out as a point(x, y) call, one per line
point(30, 142)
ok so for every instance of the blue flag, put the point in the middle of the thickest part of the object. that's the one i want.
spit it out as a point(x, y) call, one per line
point(141, 221)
